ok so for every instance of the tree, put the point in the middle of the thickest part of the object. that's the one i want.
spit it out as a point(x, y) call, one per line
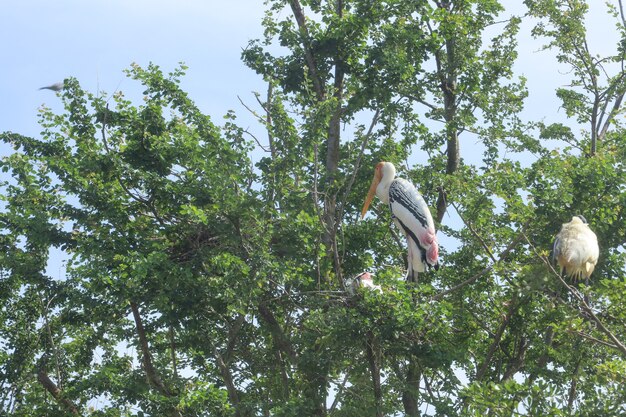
point(199, 282)
point(594, 96)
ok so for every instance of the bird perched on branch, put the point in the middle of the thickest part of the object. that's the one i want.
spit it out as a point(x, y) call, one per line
point(54, 87)
point(363, 280)
point(410, 214)
point(576, 249)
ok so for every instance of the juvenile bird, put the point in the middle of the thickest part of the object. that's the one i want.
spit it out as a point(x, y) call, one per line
point(363, 280)
point(576, 249)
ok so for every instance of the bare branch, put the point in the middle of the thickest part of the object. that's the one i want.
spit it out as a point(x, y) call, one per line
point(357, 164)
point(475, 233)
point(593, 339)
point(616, 106)
point(421, 101)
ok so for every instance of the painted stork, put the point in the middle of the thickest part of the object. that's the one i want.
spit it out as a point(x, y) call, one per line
point(576, 249)
point(410, 214)
point(363, 280)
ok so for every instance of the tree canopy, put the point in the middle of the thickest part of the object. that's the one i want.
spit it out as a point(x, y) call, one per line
point(205, 269)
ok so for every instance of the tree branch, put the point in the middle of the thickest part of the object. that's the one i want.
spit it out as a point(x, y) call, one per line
point(56, 392)
point(502, 256)
point(280, 339)
point(308, 55)
point(372, 350)
point(340, 389)
point(357, 164)
point(153, 378)
point(607, 123)
point(475, 233)
point(227, 377)
point(513, 304)
point(593, 339)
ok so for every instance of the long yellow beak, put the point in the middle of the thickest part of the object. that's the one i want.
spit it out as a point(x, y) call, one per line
point(371, 192)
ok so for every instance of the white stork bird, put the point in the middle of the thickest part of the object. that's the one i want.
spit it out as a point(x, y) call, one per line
point(363, 280)
point(410, 214)
point(576, 249)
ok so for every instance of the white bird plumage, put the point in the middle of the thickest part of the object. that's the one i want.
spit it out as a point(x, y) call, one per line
point(410, 214)
point(576, 249)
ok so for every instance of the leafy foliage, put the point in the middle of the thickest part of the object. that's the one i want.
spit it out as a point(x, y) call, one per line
point(198, 282)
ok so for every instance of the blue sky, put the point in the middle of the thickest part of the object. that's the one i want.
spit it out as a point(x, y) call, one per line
point(94, 40)
point(45, 41)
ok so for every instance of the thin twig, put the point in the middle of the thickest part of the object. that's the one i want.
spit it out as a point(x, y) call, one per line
point(501, 257)
point(357, 164)
point(475, 233)
point(593, 339)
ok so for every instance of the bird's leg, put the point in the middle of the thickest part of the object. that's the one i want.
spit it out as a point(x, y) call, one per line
point(411, 273)
point(408, 264)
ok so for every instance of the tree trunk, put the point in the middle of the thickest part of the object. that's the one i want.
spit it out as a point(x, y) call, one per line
point(332, 163)
point(372, 349)
point(410, 394)
point(334, 132)
point(448, 79)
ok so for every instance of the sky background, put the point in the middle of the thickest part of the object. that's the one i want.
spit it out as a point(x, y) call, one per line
point(46, 41)
point(95, 40)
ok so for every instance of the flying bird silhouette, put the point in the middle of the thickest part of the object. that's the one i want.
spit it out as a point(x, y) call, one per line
point(53, 87)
